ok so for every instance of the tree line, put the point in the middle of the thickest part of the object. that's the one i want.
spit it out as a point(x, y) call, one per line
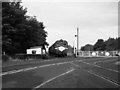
point(20, 31)
point(112, 44)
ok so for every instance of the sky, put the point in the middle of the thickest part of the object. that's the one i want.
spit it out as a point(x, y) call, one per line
point(95, 19)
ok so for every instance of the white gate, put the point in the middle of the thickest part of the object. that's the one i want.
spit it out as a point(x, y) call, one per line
point(96, 53)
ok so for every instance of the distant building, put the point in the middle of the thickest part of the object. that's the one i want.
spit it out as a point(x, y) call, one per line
point(36, 50)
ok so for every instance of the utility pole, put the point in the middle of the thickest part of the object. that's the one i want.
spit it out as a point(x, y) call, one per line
point(77, 38)
point(77, 42)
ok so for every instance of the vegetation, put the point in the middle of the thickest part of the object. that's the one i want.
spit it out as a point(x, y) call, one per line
point(5, 58)
point(109, 45)
point(87, 47)
point(57, 53)
point(20, 31)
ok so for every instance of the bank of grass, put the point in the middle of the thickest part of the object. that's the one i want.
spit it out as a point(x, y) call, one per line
point(12, 62)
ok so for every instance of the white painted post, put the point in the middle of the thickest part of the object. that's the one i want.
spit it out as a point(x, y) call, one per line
point(77, 38)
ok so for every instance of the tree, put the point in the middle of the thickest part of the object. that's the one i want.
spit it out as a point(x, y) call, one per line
point(20, 31)
point(87, 47)
point(13, 17)
point(55, 52)
point(118, 43)
point(99, 45)
point(35, 33)
point(111, 44)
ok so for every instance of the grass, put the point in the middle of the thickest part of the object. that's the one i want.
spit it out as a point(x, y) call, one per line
point(13, 62)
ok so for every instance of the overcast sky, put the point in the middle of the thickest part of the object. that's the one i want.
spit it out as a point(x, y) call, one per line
point(95, 20)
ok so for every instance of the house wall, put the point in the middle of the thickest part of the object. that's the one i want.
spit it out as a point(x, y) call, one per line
point(38, 51)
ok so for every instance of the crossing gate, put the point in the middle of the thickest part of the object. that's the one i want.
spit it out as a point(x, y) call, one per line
point(97, 53)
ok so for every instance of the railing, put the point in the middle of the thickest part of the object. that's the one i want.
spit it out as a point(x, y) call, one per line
point(97, 53)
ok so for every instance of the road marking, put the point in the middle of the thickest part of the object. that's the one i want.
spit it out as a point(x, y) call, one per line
point(30, 68)
point(53, 79)
point(98, 58)
point(108, 69)
point(103, 61)
point(117, 63)
point(99, 66)
point(105, 78)
point(75, 64)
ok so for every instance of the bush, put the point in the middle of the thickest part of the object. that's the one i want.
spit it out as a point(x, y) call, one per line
point(20, 56)
point(45, 57)
point(5, 58)
point(31, 56)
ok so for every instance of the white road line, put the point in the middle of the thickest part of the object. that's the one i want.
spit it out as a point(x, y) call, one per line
point(99, 58)
point(53, 79)
point(75, 64)
point(26, 69)
point(108, 69)
point(105, 78)
point(101, 67)
point(103, 61)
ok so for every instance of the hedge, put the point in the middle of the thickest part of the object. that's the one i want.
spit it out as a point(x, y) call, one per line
point(31, 56)
point(5, 58)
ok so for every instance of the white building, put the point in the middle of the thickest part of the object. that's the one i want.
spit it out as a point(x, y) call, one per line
point(36, 50)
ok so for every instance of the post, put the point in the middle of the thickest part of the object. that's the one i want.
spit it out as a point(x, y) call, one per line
point(77, 39)
point(77, 46)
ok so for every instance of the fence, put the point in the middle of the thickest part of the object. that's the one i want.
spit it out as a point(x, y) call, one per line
point(97, 53)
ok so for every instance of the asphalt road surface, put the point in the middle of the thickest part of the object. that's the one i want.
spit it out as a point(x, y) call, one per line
point(64, 73)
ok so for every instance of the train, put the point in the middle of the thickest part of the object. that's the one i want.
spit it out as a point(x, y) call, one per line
point(59, 49)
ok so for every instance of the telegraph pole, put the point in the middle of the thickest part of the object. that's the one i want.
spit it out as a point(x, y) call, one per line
point(77, 42)
point(77, 38)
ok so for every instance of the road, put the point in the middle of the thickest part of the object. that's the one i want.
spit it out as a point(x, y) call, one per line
point(63, 73)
